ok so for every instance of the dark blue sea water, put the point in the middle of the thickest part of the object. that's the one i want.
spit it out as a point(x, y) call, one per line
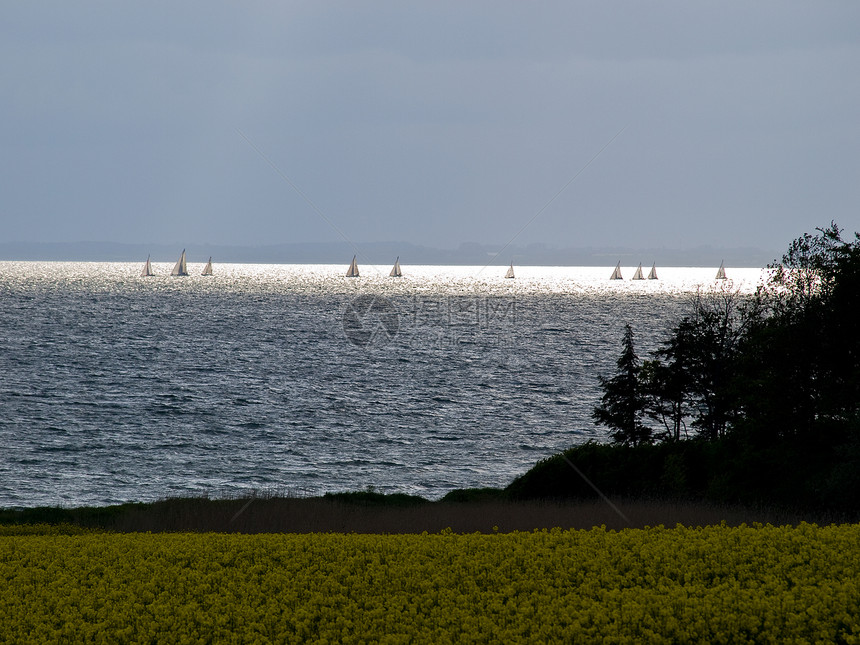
point(295, 379)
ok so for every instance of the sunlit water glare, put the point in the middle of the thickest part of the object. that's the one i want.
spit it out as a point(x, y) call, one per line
point(115, 387)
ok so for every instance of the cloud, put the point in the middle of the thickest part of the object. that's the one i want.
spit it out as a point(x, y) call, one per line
point(435, 123)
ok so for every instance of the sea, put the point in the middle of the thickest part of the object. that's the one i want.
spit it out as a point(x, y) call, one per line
point(297, 380)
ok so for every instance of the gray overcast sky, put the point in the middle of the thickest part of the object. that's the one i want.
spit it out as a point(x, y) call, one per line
point(433, 123)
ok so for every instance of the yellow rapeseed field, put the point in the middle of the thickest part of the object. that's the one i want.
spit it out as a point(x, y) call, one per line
point(716, 584)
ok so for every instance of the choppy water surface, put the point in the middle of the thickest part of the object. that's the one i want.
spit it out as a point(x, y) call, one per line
point(294, 378)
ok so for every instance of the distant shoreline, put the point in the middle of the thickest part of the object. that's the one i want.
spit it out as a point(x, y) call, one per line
point(383, 253)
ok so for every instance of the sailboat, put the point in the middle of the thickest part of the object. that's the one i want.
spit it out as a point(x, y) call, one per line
point(147, 268)
point(616, 275)
point(353, 269)
point(180, 268)
point(510, 272)
point(721, 272)
point(653, 274)
point(207, 270)
point(638, 275)
point(395, 270)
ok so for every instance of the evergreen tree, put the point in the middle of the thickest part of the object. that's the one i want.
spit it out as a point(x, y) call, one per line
point(623, 403)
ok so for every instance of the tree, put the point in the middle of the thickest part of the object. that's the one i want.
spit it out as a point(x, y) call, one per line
point(623, 403)
point(782, 364)
point(667, 385)
point(691, 381)
point(711, 341)
point(771, 382)
point(812, 268)
point(802, 360)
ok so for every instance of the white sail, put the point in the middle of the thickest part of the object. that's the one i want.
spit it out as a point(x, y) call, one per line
point(353, 269)
point(395, 270)
point(147, 268)
point(180, 267)
point(721, 273)
point(510, 273)
point(653, 274)
point(207, 270)
point(616, 275)
point(638, 275)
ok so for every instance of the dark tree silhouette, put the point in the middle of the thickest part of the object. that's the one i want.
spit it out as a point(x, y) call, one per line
point(784, 363)
point(623, 403)
point(801, 369)
point(691, 381)
point(667, 385)
point(768, 385)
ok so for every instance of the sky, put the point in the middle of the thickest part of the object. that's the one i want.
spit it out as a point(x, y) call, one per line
point(573, 124)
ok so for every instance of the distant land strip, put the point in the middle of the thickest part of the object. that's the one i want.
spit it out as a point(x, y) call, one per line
point(383, 253)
